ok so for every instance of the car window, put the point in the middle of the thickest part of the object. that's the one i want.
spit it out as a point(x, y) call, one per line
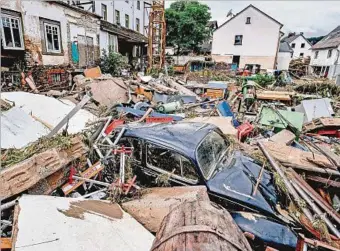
point(137, 147)
point(170, 161)
point(211, 149)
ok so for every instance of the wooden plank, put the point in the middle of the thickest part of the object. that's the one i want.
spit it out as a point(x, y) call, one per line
point(296, 157)
point(20, 177)
point(5, 243)
point(283, 137)
point(198, 225)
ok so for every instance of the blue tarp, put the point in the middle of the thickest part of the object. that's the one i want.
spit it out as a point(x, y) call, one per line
point(225, 110)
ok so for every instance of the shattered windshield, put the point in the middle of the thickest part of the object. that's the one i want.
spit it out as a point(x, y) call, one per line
point(210, 152)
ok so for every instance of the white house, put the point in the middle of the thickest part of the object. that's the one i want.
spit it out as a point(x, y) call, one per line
point(325, 55)
point(284, 56)
point(249, 37)
point(300, 45)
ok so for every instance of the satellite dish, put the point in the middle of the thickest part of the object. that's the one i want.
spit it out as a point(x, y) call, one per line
point(230, 13)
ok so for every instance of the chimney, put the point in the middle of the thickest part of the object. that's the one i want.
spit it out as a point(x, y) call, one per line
point(301, 33)
point(290, 34)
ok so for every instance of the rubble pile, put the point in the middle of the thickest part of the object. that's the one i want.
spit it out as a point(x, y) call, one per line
point(298, 67)
point(120, 158)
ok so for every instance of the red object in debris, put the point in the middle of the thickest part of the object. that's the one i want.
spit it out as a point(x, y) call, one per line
point(159, 120)
point(122, 149)
point(335, 133)
point(113, 125)
point(249, 235)
point(271, 249)
point(244, 130)
point(72, 172)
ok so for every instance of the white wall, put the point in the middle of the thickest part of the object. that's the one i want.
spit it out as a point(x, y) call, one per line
point(283, 60)
point(260, 38)
point(297, 50)
point(322, 59)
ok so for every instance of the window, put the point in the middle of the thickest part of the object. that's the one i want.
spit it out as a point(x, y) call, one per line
point(212, 149)
point(170, 162)
point(137, 51)
point(238, 39)
point(12, 36)
point(127, 21)
point(117, 17)
point(104, 12)
point(137, 24)
point(303, 45)
point(329, 54)
point(316, 55)
point(301, 54)
point(248, 20)
point(126, 1)
point(293, 45)
point(138, 5)
point(52, 38)
point(113, 43)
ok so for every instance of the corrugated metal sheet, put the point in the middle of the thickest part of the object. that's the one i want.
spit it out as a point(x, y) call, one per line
point(49, 110)
point(55, 223)
point(18, 129)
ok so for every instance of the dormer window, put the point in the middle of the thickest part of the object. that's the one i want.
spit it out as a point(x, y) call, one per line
point(248, 20)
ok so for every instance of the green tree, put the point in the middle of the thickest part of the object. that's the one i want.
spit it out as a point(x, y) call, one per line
point(186, 23)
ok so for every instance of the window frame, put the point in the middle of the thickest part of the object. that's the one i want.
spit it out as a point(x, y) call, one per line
point(59, 38)
point(127, 18)
point(104, 6)
point(138, 5)
point(115, 45)
point(316, 54)
point(293, 45)
point(160, 170)
point(301, 54)
point(303, 45)
point(241, 40)
point(248, 20)
point(329, 53)
point(117, 16)
point(137, 24)
point(20, 32)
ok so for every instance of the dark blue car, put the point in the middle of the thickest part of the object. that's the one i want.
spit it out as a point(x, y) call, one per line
point(199, 154)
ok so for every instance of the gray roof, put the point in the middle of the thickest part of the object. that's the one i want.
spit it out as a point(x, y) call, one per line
point(332, 40)
point(290, 39)
point(285, 47)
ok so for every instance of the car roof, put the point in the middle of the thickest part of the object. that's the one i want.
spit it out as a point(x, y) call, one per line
point(183, 137)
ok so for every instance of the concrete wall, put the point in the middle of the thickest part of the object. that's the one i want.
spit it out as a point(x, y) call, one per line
point(260, 38)
point(297, 50)
point(322, 59)
point(283, 60)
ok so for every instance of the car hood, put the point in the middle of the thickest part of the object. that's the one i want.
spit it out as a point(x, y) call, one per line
point(236, 182)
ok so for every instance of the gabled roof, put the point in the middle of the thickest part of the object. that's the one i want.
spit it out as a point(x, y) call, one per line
point(250, 6)
point(332, 40)
point(292, 38)
point(285, 47)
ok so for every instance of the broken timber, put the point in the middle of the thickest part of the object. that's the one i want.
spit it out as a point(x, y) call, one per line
point(22, 176)
point(198, 225)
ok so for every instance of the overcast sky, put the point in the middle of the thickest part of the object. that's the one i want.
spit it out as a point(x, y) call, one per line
point(314, 18)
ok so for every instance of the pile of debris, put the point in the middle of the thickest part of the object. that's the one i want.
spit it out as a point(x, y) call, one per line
point(299, 67)
point(128, 156)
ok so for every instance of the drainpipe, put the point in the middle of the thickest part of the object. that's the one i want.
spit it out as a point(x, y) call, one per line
point(336, 61)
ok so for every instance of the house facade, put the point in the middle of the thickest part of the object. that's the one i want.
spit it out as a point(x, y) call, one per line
point(284, 56)
point(249, 37)
point(325, 55)
point(123, 25)
point(300, 45)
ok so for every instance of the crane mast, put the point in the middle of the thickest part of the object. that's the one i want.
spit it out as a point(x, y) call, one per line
point(156, 36)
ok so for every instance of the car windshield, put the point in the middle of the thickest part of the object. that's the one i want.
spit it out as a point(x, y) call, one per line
point(210, 152)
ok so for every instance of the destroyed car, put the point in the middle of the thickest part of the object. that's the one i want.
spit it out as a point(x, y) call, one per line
point(199, 154)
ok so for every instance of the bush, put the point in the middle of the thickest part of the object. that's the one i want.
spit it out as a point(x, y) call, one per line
point(264, 80)
point(113, 63)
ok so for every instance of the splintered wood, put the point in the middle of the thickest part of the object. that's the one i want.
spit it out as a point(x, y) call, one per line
point(294, 157)
point(22, 176)
point(198, 225)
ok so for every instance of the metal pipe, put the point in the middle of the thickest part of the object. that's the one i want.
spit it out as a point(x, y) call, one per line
point(289, 186)
point(92, 181)
point(95, 192)
point(8, 205)
point(315, 196)
point(316, 209)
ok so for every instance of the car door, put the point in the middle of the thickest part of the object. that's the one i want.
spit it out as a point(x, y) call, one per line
point(169, 166)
